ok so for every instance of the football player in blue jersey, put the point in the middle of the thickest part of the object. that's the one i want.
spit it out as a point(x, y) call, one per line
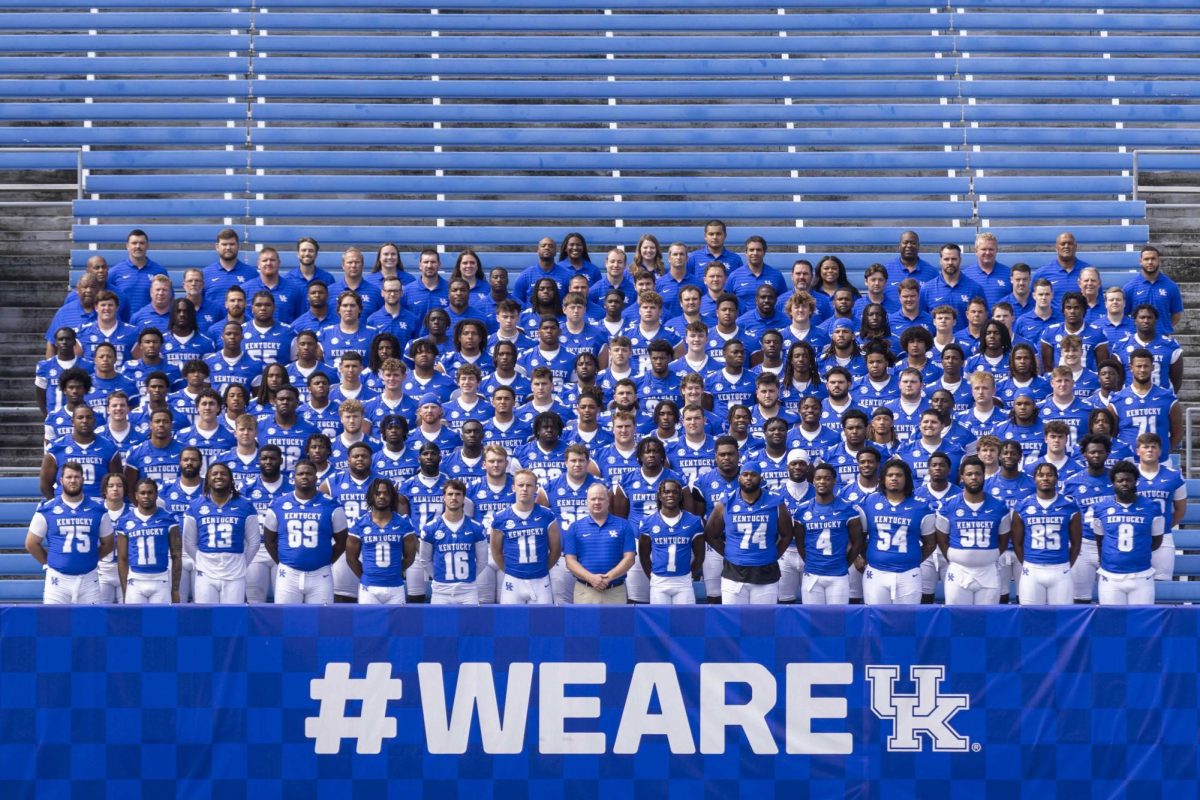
point(829, 535)
point(1086, 488)
point(1128, 530)
point(671, 548)
point(267, 486)
point(380, 546)
point(454, 549)
point(1143, 407)
point(158, 456)
point(635, 497)
point(1047, 534)
point(972, 531)
point(544, 455)
point(68, 535)
point(751, 529)
point(96, 455)
point(708, 489)
point(314, 536)
point(221, 533)
point(149, 549)
point(1166, 352)
point(177, 497)
point(421, 498)
point(935, 491)
point(900, 535)
point(525, 544)
point(1165, 486)
point(285, 429)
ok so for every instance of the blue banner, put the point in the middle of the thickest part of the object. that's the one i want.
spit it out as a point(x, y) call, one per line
point(265, 702)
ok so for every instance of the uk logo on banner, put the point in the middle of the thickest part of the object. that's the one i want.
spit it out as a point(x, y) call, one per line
point(929, 711)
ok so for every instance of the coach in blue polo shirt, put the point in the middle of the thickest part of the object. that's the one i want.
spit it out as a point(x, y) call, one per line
point(599, 551)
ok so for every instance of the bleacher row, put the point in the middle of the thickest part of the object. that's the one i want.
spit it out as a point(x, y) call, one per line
point(825, 127)
point(21, 577)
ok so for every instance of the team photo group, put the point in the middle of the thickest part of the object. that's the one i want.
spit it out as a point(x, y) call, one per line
point(664, 423)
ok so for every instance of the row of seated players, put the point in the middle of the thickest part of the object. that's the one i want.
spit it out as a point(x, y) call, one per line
point(507, 537)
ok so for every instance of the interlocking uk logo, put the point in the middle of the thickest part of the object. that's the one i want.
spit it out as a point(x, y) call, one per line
point(928, 711)
point(337, 688)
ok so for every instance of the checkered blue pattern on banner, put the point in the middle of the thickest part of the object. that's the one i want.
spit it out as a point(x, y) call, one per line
point(285, 703)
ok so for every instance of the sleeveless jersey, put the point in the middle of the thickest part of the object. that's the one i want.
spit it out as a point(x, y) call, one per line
point(752, 530)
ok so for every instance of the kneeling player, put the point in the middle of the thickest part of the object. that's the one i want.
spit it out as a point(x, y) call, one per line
point(380, 546)
point(750, 529)
point(1128, 530)
point(671, 548)
point(900, 535)
point(972, 532)
point(1047, 533)
point(830, 538)
point(454, 550)
point(146, 536)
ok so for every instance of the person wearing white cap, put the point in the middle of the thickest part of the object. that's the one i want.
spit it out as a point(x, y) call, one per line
point(796, 490)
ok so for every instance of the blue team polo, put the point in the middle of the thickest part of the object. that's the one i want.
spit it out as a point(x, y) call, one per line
point(599, 546)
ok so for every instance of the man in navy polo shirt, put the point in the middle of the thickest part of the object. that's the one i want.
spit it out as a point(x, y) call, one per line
point(713, 250)
point(1063, 270)
point(599, 551)
point(950, 287)
point(1151, 287)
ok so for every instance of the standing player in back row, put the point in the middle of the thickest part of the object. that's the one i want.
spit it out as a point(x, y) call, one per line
point(525, 544)
point(750, 529)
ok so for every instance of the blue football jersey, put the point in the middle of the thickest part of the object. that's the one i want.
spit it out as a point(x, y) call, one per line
point(526, 543)
point(263, 496)
point(752, 530)
point(1128, 532)
point(149, 539)
point(547, 465)
point(970, 528)
point(488, 502)
point(424, 499)
point(1009, 490)
point(642, 493)
point(221, 528)
point(290, 441)
point(453, 559)
point(1047, 528)
point(614, 465)
point(714, 487)
point(159, 463)
point(826, 534)
point(94, 458)
point(894, 532)
point(396, 466)
point(1163, 487)
point(305, 529)
point(1086, 490)
point(566, 501)
point(671, 543)
point(382, 553)
point(71, 535)
point(350, 493)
